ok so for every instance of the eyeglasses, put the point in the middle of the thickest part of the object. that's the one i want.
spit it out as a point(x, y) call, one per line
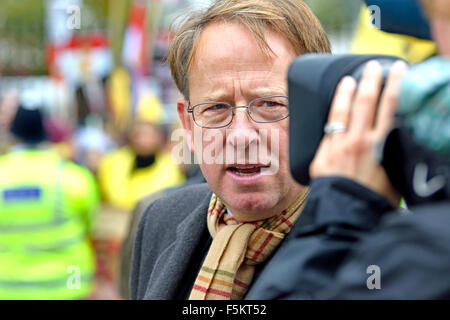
point(214, 115)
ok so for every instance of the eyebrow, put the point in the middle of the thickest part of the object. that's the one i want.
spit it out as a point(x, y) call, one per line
point(257, 93)
point(219, 96)
point(266, 92)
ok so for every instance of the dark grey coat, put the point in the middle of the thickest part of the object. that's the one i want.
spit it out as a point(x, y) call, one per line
point(170, 244)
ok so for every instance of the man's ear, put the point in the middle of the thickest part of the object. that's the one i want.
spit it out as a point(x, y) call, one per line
point(185, 118)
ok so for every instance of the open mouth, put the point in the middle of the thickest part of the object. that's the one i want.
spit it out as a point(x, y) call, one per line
point(247, 170)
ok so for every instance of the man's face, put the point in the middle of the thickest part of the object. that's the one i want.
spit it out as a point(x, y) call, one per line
point(229, 66)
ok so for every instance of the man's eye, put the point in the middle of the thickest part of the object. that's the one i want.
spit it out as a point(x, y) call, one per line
point(217, 107)
point(270, 104)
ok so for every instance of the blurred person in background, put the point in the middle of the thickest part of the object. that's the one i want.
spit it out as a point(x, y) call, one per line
point(353, 241)
point(142, 166)
point(47, 211)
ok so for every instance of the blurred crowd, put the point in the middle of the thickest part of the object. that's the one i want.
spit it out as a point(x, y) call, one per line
point(112, 171)
point(93, 134)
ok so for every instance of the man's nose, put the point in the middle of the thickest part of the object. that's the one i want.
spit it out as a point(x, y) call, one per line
point(242, 132)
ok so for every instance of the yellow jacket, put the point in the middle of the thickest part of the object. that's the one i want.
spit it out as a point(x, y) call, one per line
point(122, 186)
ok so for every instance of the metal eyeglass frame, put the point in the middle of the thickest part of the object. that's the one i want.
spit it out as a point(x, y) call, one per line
point(191, 111)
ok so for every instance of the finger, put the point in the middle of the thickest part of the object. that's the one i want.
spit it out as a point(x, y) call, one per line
point(341, 106)
point(388, 105)
point(367, 97)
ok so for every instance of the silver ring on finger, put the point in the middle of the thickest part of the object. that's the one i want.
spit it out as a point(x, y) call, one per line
point(335, 127)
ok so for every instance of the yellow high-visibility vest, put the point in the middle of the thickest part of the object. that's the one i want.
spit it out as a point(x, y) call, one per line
point(47, 210)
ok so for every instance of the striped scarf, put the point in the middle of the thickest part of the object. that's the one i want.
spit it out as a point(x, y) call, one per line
point(237, 248)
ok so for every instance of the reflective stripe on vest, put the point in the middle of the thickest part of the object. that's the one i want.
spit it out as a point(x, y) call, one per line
point(32, 248)
point(60, 245)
